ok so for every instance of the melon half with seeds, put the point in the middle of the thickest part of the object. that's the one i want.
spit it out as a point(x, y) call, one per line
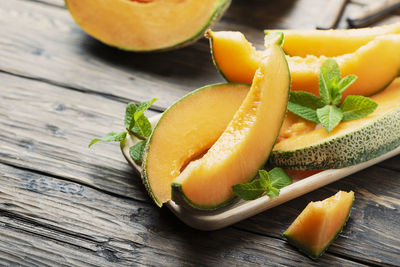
point(320, 223)
point(146, 25)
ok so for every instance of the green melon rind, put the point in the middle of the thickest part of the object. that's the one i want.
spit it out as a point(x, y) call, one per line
point(219, 11)
point(148, 142)
point(179, 197)
point(316, 254)
point(365, 143)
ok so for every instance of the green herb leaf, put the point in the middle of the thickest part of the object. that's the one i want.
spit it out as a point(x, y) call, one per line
point(110, 137)
point(329, 116)
point(279, 178)
point(329, 77)
point(143, 107)
point(142, 127)
point(251, 190)
point(129, 115)
point(346, 82)
point(356, 107)
point(273, 191)
point(264, 178)
point(304, 105)
point(136, 151)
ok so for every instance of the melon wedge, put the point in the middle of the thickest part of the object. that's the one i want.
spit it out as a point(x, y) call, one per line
point(331, 43)
point(376, 64)
point(185, 131)
point(146, 25)
point(246, 143)
point(350, 143)
point(320, 223)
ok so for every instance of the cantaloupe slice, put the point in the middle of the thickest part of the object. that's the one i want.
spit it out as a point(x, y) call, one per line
point(186, 131)
point(376, 64)
point(320, 223)
point(245, 144)
point(331, 43)
point(150, 25)
point(350, 143)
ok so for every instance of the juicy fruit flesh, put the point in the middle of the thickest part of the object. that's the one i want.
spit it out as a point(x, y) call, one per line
point(388, 100)
point(186, 130)
point(238, 153)
point(319, 223)
point(376, 64)
point(325, 42)
point(143, 25)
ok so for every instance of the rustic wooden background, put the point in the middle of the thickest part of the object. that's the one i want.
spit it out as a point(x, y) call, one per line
point(64, 204)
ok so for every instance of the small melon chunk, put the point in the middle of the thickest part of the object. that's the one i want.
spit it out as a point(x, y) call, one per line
point(146, 25)
point(331, 43)
point(186, 131)
point(245, 144)
point(376, 63)
point(320, 223)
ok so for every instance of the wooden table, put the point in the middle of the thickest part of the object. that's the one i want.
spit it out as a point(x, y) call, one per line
point(64, 204)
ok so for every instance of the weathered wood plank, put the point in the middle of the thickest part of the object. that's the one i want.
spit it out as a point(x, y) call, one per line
point(54, 216)
point(48, 128)
point(371, 233)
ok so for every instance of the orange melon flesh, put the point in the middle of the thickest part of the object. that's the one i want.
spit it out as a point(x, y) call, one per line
point(144, 26)
point(331, 43)
point(388, 100)
point(376, 64)
point(319, 223)
point(239, 153)
point(186, 130)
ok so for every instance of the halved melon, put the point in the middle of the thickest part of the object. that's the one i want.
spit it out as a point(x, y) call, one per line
point(320, 223)
point(376, 64)
point(331, 43)
point(350, 143)
point(185, 131)
point(146, 25)
point(246, 143)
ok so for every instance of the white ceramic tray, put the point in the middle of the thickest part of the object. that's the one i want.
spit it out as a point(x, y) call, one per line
point(240, 210)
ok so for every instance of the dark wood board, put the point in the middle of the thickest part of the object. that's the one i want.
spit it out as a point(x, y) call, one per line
point(62, 204)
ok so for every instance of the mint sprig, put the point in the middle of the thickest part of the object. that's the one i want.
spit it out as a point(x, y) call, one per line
point(325, 109)
point(137, 125)
point(267, 182)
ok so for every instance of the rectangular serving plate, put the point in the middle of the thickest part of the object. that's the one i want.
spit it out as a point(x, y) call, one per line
point(240, 210)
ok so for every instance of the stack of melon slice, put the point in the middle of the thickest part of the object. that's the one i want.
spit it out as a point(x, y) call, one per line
point(220, 135)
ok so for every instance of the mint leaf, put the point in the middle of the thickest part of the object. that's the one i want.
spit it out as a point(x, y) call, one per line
point(346, 82)
point(142, 127)
point(251, 190)
point(273, 191)
point(279, 178)
point(329, 116)
point(329, 77)
point(110, 137)
point(129, 114)
point(305, 99)
point(264, 178)
point(143, 107)
point(304, 112)
point(136, 151)
point(356, 107)
point(304, 105)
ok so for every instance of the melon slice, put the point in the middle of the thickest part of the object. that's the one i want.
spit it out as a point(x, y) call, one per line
point(331, 43)
point(185, 131)
point(151, 25)
point(320, 223)
point(351, 142)
point(376, 64)
point(246, 143)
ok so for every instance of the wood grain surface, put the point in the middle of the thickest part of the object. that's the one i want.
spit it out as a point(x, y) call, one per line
point(62, 204)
